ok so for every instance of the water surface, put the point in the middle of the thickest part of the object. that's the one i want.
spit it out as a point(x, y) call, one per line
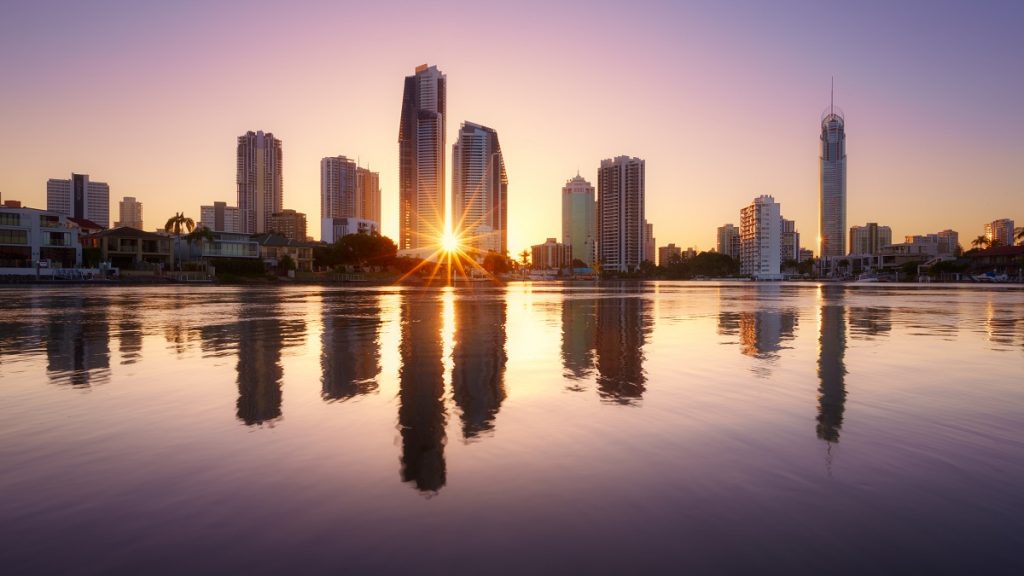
point(655, 428)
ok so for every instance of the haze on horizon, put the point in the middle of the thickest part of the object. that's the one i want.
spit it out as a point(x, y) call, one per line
point(722, 100)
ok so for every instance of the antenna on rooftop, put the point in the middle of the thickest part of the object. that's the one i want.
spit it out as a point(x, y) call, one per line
point(832, 99)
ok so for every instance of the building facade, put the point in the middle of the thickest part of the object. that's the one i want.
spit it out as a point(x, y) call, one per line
point(868, 240)
point(551, 255)
point(479, 190)
point(289, 223)
point(761, 239)
point(79, 197)
point(30, 238)
point(129, 211)
point(832, 199)
point(338, 187)
point(649, 242)
point(334, 229)
point(221, 218)
point(620, 214)
point(728, 241)
point(259, 179)
point(1000, 231)
point(789, 241)
point(368, 195)
point(421, 159)
point(669, 254)
point(579, 219)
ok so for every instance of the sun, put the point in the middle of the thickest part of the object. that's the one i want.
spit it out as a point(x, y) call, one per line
point(449, 242)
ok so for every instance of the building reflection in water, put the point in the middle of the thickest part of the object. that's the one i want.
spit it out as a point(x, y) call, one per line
point(478, 373)
point(263, 332)
point(129, 330)
point(78, 342)
point(621, 330)
point(579, 334)
point(831, 367)
point(350, 348)
point(870, 322)
point(421, 411)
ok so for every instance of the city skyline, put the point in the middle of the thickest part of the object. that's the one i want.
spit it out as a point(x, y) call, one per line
point(549, 118)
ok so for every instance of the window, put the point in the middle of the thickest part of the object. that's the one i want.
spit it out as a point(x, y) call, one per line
point(18, 237)
point(10, 219)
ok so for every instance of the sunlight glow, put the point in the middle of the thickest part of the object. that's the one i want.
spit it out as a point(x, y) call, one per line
point(450, 242)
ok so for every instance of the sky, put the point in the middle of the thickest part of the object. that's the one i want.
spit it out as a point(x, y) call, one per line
point(722, 99)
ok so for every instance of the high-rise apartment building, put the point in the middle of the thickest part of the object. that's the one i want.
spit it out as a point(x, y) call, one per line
point(728, 241)
point(338, 187)
point(761, 239)
point(259, 178)
point(832, 201)
point(868, 240)
point(789, 241)
point(579, 219)
point(221, 218)
point(368, 195)
point(421, 154)
point(1000, 231)
point(649, 246)
point(288, 223)
point(669, 254)
point(79, 197)
point(621, 230)
point(479, 190)
point(129, 212)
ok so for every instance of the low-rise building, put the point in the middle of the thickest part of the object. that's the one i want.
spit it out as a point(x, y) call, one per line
point(334, 229)
point(274, 247)
point(31, 238)
point(131, 249)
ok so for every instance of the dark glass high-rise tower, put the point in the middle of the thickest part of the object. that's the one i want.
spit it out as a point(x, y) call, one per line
point(832, 201)
point(421, 150)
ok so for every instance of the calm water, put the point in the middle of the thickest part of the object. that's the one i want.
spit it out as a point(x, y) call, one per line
point(667, 428)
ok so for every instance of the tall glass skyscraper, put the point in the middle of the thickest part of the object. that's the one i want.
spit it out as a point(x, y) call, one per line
point(832, 202)
point(579, 219)
point(421, 150)
point(480, 189)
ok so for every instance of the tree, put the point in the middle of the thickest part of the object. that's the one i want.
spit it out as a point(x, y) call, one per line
point(199, 234)
point(524, 258)
point(179, 222)
point(1019, 236)
point(981, 242)
point(285, 263)
point(495, 263)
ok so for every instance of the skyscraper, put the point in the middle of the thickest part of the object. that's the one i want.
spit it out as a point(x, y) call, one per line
point(79, 198)
point(832, 201)
point(648, 242)
point(479, 190)
point(338, 187)
point(129, 213)
point(421, 151)
point(789, 241)
point(620, 214)
point(761, 239)
point(260, 185)
point(728, 241)
point(579, 219)
point(1000, 231)
point(368, 195)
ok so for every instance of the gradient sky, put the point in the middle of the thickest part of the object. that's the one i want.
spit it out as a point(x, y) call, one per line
point(722, 99)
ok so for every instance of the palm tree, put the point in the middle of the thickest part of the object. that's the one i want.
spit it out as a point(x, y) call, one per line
point(981, 242)
point(1019, 237)
point(524, 257)
point(179, 222)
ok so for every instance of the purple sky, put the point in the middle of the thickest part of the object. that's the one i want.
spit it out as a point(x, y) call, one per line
point(722, 99)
